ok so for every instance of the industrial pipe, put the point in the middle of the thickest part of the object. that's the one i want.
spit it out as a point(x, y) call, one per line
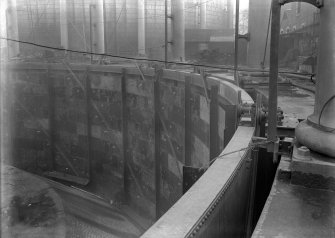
point(318, 131)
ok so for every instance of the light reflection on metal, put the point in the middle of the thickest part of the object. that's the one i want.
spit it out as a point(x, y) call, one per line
point(317, 3)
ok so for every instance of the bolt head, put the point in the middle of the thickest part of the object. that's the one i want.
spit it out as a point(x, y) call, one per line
point(303, 151)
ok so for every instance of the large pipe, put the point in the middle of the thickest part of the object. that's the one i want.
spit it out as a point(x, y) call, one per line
point(178, 29)
point(98, 34)
point(318, 131)
point(64, 34)
point(258, 25)
point(141, 27)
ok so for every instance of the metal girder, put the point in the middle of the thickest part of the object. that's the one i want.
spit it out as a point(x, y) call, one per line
point(317, 3)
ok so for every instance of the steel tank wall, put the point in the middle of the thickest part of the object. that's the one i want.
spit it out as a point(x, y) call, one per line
point(73, 119)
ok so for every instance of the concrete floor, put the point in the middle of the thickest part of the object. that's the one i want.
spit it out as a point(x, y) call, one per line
point(29, 206)
point(297, 211)
point(87, 216)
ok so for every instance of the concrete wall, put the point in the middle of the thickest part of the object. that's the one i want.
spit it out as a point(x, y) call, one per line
point(72, 122)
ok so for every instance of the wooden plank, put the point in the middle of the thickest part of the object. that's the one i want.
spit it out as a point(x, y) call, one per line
point(188, 122)
point(214, 123)
point(157, 121)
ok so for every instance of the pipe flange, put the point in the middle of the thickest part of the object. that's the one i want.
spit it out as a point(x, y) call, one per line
point(310, 135)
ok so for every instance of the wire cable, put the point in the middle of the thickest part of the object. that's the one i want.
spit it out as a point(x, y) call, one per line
point(251, 146)
point(147, 60)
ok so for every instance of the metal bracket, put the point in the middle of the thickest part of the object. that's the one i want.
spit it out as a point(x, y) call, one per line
point(245, 36)
point(140, 70)
point(272, 146)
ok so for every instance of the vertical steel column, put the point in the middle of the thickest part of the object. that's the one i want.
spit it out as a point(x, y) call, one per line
point(51, 119)
point(91, 33)
point(12, 29)
point(275, 30)
point(229, 18)
point(88, 121)
point(203, 22)
point(104, 13)
point(126, 172)
point(237, 19)
point(178, 29)
point(64, 33)
point(141, 27)
point(157, 120)
point(166, 33)
point(115, 50)
point(84, 23)
point(203, 14)
point(188, 121)
point(214, 123)
point(98, 34)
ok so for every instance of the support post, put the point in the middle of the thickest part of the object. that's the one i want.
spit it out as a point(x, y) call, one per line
point(229, 20)
point(88, 122)
point(203, 22)
point(51, 119)
point(126, 172)
point(115, 47)
point(275, 30)
point(188, 122)
point(91, 32)
point(237, 19)
point(141, 27)
point(12, 29)
point(104, 14)
point(64, 34)
point(98, 34)
point(178, 29)
point(214, 123)
point(157, 120)
point(166, 33)
point(203, 11)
